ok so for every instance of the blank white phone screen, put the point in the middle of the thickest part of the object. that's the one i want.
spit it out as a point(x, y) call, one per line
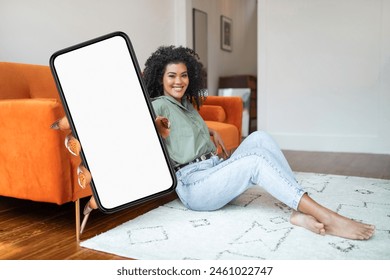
point(113, 123)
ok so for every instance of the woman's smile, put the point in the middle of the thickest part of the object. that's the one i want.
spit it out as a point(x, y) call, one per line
point(175, 80)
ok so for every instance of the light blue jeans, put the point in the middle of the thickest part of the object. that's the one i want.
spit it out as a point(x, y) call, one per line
point(211, 184)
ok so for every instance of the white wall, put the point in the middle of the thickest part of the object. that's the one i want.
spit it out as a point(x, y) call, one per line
point(30, 31)
point(324, 74)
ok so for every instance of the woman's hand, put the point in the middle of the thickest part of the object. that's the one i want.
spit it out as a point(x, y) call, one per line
point(163, 125)
point(74, 147)
point(218, 141)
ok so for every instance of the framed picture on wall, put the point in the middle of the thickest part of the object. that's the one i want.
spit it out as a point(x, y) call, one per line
point(226, 33)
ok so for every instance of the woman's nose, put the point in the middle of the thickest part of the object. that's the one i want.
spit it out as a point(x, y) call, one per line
point(178, 80)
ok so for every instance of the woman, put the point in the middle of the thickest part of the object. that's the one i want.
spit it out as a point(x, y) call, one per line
point(174, 79)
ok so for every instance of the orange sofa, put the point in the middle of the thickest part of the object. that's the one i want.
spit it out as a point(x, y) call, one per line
point(34, 163)
point(224, 114)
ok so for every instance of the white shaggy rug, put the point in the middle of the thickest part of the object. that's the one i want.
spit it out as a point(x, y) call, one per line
point(256, 226)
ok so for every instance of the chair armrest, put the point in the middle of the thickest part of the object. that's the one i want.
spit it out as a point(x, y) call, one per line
point(35, 164)
point(232, 106)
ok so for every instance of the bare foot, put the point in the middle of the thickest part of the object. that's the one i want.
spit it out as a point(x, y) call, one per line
point(343, 227)
point(307, 222)
point(334, 223)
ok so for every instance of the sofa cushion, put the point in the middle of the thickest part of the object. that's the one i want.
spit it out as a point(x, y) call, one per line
point(213, 113)
point(13, 84)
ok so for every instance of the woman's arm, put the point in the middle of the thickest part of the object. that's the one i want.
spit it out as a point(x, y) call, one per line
point(218, 141)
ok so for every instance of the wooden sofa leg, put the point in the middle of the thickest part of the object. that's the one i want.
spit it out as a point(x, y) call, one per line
point(77, 210)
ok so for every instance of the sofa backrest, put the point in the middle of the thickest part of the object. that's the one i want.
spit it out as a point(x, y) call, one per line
point(13, 84)
point(18, 80)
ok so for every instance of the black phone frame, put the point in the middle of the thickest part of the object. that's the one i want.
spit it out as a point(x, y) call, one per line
point(150, 107)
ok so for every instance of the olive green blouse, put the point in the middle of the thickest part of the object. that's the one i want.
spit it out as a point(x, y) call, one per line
point(189, 136)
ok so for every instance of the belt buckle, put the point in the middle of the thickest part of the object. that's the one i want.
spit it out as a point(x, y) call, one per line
point(203, 157)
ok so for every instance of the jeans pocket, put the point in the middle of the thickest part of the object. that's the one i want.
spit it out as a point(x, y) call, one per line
point(187, 174)
point(184, 173)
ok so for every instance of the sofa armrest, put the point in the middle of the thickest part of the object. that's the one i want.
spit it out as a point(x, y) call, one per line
point(232, 106)
point(34, 162)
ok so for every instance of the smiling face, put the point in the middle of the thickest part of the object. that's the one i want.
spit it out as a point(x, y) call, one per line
point(175, 80)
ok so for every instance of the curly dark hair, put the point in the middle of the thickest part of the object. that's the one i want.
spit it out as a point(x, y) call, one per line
point(155, 67)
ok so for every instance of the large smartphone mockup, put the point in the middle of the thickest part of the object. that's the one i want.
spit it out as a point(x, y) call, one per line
point(101, 88)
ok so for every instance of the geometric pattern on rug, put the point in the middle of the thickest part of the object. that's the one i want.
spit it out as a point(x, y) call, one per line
point(256, 226)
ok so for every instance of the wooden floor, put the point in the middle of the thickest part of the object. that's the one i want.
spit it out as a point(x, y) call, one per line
point(32, 230)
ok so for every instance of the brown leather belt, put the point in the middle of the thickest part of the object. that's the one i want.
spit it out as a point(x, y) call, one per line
point(198, 159)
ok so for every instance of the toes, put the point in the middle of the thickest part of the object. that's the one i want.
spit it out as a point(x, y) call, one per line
point(368, 231)
point(320, 228)
point(365, 234)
